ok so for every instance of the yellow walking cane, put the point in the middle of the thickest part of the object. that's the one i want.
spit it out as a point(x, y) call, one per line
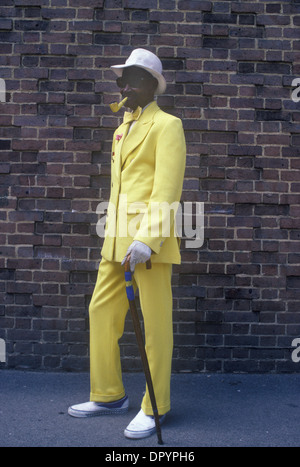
point(139, 338)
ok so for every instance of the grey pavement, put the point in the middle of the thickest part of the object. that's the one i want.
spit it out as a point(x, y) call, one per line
point(208, 410)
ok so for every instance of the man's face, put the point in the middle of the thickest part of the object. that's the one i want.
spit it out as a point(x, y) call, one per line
point(138, 85)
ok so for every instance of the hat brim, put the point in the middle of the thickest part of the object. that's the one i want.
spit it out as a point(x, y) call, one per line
point(162, 85)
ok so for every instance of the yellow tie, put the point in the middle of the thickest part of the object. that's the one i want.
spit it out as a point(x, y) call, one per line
point(131, 116)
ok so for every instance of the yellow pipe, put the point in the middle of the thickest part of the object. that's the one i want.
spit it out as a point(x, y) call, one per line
point(115, 106)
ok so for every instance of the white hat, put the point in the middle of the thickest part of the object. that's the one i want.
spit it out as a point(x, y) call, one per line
point(148, 61)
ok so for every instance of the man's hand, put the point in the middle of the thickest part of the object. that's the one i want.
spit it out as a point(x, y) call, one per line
point(139, 253)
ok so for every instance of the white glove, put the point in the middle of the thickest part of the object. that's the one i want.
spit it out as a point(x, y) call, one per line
point(139, 253)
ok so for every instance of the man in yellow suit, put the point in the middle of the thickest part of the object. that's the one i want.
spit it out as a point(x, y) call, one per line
point(148, 163)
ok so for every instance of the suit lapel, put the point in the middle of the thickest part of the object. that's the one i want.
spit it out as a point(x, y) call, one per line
point(138, 132)
point(134, 139)
point(120, 136)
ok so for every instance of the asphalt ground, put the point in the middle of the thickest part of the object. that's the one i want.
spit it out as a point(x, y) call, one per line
point(208, 410)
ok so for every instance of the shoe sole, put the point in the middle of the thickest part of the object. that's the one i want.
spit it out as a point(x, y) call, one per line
point(81, 414)
point(139, 434)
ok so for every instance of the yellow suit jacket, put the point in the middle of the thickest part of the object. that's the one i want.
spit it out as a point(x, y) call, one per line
point(147, 173)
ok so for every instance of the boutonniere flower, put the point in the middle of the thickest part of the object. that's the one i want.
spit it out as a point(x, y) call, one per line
point(119, 137)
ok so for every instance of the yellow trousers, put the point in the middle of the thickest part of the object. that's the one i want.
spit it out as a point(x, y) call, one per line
point(108, 309)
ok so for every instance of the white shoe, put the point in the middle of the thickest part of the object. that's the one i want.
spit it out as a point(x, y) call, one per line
point(93, 409)
point(142, 426)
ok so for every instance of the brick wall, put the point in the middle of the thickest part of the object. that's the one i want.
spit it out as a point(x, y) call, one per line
point(230, 67)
